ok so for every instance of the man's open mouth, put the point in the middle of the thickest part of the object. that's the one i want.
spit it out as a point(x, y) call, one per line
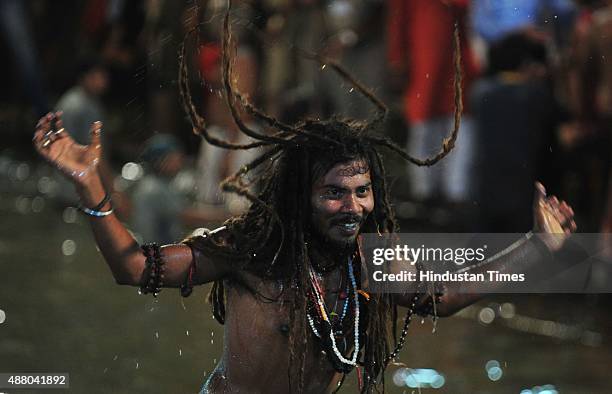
point(349, 226)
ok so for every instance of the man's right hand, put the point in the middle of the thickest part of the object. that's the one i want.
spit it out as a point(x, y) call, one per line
point(79, 163)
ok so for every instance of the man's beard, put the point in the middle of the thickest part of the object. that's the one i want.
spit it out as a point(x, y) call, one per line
point(340, 247)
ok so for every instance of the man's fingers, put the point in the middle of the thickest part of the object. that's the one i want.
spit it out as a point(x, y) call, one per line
point(47, 125)
point(38, 135)
point(96, 131)
point(43, 123)
point(567, 208)
point(59, 123)
point(554, 202)
point(38, 140)
point(540, 194)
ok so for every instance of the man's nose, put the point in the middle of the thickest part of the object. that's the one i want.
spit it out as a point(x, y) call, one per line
point(351, 204)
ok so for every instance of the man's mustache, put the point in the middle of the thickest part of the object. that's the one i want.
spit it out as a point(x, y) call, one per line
point(347, 218)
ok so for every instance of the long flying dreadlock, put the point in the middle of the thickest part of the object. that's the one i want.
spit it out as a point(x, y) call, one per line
point(277, 225)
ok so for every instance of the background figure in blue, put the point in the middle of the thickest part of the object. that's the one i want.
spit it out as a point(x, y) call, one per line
point(81, 104)
point(157, 203)
point(494, 19)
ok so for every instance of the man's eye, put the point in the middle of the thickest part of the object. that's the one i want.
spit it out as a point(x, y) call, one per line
point(333, 193)
point(363, 190)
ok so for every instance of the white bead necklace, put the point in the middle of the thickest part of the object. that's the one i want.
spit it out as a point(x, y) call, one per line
point(322, 309)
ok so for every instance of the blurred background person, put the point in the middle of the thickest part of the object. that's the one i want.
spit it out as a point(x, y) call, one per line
point(547, 20)
point(15, 27)
point(215, 164)
point(514, 116)
point(588, 142)
point(420, 57)
point(157, 202)
point(82, 104)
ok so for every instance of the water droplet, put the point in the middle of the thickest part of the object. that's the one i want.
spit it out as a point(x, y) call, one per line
point(180, 352)
point(137, 365)
point(491, 364)
point(438, 382)
point(70, 215)
point(105, 370)
point(38, 204)
point(495, 373)
point(132, 171)
point(187, 332)
point(115, 358)
point(507, 310)
point(68, 247)
point(45, 185)
point(2, 316)
point(22, 204)
point(486, 315)
point(156, 335)
point(22, 172)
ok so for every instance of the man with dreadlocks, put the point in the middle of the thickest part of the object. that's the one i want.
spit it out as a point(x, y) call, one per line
point(286, 274)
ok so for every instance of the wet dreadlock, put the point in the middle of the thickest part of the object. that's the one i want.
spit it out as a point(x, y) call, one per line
point(276, 228)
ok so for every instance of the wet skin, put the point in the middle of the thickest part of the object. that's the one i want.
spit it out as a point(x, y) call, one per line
point(256, 351)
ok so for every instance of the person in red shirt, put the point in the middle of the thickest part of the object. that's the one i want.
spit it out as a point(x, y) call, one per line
point(420, 56)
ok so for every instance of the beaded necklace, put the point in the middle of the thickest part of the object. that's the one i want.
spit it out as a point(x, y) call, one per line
point(322, 311)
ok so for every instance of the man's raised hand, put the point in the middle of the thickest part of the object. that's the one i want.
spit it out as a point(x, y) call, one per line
point(77, 162)
point(553, 219)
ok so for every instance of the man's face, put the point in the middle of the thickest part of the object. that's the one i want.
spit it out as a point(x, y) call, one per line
point(341, 201)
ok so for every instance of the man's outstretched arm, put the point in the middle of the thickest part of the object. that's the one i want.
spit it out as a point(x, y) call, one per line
point(120, 250)
point(553, 223)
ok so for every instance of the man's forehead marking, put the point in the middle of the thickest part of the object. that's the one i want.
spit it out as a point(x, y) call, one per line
point(354, 168)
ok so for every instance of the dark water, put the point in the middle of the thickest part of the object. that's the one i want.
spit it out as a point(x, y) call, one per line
point(64, 313)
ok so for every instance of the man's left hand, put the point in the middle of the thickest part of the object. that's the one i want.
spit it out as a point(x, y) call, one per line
point(553, 219)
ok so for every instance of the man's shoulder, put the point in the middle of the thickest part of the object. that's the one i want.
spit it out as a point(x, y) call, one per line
point(220, 237)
